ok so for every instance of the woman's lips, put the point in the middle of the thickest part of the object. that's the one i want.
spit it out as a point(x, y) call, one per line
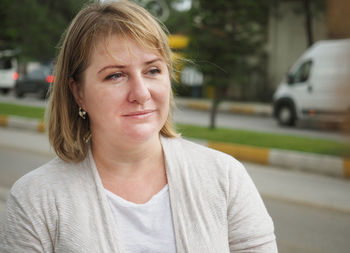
point(139, 114)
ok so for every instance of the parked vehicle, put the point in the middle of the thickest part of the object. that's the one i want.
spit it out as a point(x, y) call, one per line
point(36, 81)
point(8, 70)
point(317, 86)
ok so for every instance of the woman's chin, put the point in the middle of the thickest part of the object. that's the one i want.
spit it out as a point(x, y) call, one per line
point(142, 135)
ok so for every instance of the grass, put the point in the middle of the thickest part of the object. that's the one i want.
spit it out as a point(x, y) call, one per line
point(267, 140)
point(22, 110)
point(259, 139)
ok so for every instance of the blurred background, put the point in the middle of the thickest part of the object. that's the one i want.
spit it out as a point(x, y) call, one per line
point(265, 81)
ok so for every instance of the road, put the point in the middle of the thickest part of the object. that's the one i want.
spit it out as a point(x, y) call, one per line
point(308, 210)
point(258, 123)
point(255, 123)
point(306, 229)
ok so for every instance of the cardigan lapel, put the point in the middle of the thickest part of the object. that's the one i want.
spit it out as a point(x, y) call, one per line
point(180, 192)
point(172, 165)
point(191, 200)
point(110, 238)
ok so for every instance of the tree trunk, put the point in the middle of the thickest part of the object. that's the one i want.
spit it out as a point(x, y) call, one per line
point(219, 93)
point(308, 22)
point(213, 112)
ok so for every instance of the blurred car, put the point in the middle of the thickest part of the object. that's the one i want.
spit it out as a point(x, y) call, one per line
point(36, 81)
point(8, 70)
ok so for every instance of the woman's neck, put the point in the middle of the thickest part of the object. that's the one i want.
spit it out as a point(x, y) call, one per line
point(133, 172)
point(127, 159)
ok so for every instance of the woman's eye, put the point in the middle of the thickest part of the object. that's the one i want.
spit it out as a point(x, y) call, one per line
point(154, 71)
point(114, 76)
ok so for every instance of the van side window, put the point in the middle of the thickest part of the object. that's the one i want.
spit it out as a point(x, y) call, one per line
point(303, 72)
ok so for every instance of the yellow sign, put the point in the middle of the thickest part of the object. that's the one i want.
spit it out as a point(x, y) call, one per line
point(178, 41)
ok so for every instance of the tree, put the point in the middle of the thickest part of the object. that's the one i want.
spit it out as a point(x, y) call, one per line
point(35, 26)
point(310, 9)
point(308, 22)
point(179, 22)
point(225, 35)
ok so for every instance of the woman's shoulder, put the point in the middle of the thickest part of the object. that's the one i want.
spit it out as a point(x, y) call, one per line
point(201, 157)
point(55, 174)
point(199, 150)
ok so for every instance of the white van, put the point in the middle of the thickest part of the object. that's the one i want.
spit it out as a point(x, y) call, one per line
point(8, 70)
point(317, 86)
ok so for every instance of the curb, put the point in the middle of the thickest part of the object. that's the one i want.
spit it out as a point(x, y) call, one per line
point(315, 163)
point(22, 123)
point(229, 107)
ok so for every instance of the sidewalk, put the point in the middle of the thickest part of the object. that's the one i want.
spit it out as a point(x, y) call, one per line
point(291, 186)
point(285, 185)
point(315, 163)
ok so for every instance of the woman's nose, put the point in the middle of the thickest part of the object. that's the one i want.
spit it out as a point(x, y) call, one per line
point(139, 92)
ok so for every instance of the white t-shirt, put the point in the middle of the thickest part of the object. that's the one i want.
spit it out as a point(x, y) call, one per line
point(144, 228)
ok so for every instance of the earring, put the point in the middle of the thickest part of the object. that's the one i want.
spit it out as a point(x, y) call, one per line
point(82, 113)
point(87, 137)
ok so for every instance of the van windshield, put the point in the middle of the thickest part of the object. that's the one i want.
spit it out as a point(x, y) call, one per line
point(302, 74)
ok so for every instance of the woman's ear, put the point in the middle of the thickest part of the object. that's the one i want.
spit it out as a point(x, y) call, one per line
point(77, 93)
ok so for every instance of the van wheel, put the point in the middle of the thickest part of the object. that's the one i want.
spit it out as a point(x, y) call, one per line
point(286, 115)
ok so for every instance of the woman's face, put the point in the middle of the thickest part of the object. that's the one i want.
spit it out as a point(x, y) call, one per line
point(125, 91)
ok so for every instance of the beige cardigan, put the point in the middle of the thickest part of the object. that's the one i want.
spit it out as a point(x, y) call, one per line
point(62, 207)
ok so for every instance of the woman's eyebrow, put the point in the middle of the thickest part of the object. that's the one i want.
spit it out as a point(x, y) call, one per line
point(124, 66)
point(111, 66)
point(153, 61)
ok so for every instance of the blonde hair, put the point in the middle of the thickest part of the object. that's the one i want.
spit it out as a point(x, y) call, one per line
point(68, 133)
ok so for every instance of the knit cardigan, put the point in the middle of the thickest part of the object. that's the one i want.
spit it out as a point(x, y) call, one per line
point(62, 207)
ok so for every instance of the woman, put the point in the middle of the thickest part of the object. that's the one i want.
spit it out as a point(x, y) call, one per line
point(123, 180)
